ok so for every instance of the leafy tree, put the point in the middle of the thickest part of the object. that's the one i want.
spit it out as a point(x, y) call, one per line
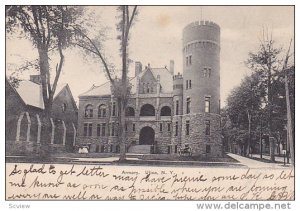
point(48, 28)
point(267, 63)
point(243, 106)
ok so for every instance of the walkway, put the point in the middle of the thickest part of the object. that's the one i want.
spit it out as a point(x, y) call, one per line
point(251, 163)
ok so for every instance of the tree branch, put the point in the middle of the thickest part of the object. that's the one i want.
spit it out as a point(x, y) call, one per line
point(34, 13)
point(131, 19)
point(98, 53)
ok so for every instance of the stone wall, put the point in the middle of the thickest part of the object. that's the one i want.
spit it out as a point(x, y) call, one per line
point(197, 139)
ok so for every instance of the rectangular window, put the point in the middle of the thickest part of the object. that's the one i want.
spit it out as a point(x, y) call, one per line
point(187, 127)
point(207, 104)
point(177, 107)
point(190, 84)
point(169, 127)
point(208, 149)
point(190, 59)
point(160, 127)
point(176, 129)
point(206, 72)
point(175, 149)
point(117, 129)
point(114, 109)
point(188, 105)
point(207, 127)
point(133, 127)
point(187, 61)
point(186, 84)
point(90, 129)
point(85, 129)
point(103, 129)
point(98, 129)
point(169, 149)
point(113, 129)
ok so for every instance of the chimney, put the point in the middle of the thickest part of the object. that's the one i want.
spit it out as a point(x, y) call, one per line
point(172, 66)
point(35, 79)
point(138, 68)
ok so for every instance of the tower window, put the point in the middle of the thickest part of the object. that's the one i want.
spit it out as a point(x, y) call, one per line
point(188, 84)
point(160, 127)
point(114, 109)
point(188, 105)
point(207, 127)
point(169, 127)
point(207, 72)
point(207, 104)
point(188, 60)
point(133, 127)
point(187, 127)
point(177, 107)
point(176, 129)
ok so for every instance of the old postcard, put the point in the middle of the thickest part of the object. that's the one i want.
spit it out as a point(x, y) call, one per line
point(150, 103)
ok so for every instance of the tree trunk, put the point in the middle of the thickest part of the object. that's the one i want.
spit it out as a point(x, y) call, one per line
point(124, 87)
point(122, 138)
point(44, 69)
point(289, 118)
point(249, 134)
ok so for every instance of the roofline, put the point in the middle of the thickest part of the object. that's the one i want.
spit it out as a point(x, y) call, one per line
point(72, 98)
point(13, 88)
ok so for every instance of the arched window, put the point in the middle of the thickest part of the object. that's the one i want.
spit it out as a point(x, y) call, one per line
point(64, 107)
point(165, 111)
point(102, 110)
point(147, 110)
point(129, 111)
point(88, 113)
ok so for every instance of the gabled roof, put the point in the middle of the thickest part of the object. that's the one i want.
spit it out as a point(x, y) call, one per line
point(31, 93)
point(166, 79)
point(60, 88)
point(166, 82)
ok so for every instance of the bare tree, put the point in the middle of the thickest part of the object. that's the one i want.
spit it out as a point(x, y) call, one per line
point(120, 86)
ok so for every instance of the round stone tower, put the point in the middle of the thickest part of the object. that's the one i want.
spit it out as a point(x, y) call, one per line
point(201, 88)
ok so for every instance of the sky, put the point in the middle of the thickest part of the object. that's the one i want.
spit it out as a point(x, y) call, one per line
point(156, 38)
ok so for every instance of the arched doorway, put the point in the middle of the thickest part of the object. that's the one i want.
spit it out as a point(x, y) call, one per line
point(147, 136)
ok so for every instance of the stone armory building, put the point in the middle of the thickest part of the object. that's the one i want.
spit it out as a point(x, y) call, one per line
point(165, 110)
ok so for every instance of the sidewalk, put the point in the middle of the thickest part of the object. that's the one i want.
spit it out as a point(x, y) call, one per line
point(251, 163)
point(267, 157)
